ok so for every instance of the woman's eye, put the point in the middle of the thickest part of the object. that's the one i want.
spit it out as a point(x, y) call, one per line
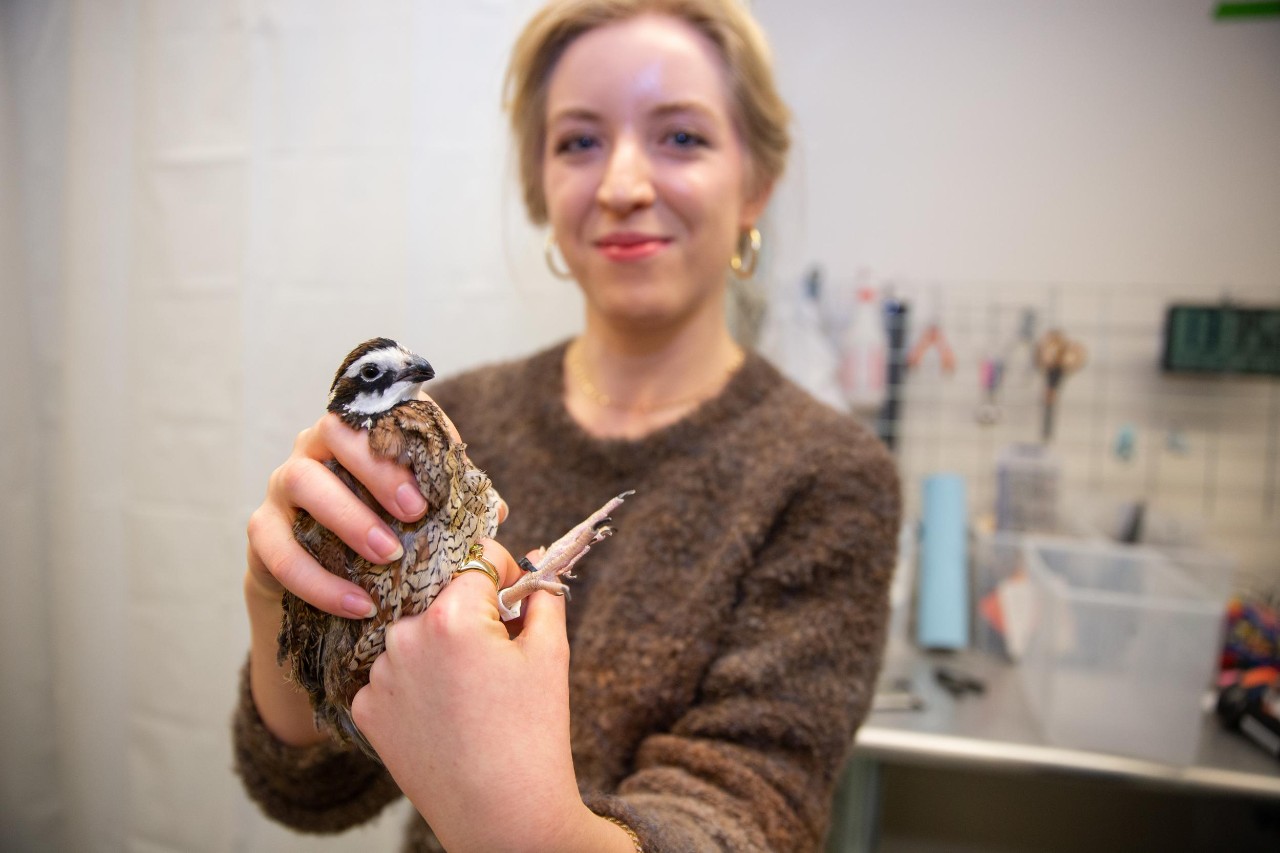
point(370, 372)
point(685, 139)
point(576, 143)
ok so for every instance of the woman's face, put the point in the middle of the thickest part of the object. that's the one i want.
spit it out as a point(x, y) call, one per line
point(643, 170)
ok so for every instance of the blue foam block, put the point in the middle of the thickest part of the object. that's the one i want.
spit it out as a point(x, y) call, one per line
point(942, 615)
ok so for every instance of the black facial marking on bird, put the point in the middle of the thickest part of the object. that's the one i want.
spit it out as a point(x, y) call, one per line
point(376, 390)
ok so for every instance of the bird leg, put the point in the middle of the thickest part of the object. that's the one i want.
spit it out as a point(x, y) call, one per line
point(558, 560)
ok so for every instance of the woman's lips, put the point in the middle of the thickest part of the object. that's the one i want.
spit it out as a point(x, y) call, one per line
point(631, 247)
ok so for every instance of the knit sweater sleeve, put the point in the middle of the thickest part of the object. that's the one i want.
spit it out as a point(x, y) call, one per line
point(322, 788)
point(752, 765)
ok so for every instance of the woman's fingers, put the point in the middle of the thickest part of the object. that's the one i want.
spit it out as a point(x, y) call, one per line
point(391, 484)
point(477, 584)
point(543, 632)
point(275, 556)
point(304, 482)
point(465, 609)
point(541, 628)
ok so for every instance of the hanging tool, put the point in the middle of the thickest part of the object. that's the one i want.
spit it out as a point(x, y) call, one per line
point(1026, 337)
point(932, 337)
point(1057, 357)
point(993, 370)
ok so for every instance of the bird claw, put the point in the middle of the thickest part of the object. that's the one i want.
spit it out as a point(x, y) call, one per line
point(558, 560)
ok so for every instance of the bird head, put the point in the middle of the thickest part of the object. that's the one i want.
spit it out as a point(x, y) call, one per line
point(374, 378)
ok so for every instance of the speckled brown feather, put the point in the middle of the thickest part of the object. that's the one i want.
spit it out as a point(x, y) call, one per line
point(330, 656)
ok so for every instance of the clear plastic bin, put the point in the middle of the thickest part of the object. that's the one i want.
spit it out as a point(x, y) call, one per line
point(1121, 644)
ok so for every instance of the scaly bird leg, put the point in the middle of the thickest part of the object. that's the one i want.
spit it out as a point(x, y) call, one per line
point(558, 560)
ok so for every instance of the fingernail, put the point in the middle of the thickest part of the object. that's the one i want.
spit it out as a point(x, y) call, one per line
point(358, 606)
point(410, 500)
point(385, 545)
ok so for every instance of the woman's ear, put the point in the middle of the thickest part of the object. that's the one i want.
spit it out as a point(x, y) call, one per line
point(754, 206)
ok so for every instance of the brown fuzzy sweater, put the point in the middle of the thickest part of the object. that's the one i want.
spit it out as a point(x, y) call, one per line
point(725, 642)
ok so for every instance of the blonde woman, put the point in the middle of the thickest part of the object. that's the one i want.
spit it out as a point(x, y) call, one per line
point(701, 690)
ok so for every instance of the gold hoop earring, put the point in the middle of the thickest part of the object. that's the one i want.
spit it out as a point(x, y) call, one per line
point(549, 254)
point(743, 263)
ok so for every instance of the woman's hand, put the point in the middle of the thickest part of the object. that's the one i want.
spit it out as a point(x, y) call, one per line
point(473, 723)
point(277, 562)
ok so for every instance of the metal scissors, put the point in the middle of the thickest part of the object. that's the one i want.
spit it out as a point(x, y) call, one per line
point(1057, 356)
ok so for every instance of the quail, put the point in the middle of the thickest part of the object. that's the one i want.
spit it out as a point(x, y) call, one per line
point(376, 390)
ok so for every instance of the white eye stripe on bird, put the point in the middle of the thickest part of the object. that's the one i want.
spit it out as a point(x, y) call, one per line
point(364, 349)
point(383, 360)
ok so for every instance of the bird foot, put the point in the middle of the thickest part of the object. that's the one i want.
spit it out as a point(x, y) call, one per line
point(557, 561)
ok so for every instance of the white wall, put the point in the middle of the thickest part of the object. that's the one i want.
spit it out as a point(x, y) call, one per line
point(1091, 141)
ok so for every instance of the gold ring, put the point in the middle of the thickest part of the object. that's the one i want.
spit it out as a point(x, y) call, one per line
point(479, 564)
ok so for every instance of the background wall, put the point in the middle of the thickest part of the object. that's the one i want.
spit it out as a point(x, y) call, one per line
point(203, 204)
point(991, 140)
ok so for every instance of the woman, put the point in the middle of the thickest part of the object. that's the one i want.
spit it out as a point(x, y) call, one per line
point(725, 642)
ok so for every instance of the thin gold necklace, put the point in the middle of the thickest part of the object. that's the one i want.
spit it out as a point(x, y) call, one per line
point(579, 370)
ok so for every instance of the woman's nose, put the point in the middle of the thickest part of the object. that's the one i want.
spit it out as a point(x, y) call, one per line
point(627, 183)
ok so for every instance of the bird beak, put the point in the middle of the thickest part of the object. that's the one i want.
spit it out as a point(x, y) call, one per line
point(418, 371)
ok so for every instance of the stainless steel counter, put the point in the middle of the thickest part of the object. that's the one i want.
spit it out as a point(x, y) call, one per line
point(995, 730)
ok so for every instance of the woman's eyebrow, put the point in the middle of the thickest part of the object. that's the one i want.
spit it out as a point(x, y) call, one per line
point(678, 107)
point(662, 110)
point(573, 114)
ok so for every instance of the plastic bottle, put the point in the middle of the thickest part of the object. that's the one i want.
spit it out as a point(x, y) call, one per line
point(863, 355)
point(793, 340)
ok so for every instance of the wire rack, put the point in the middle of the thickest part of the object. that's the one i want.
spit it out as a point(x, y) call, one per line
point(1200, 452)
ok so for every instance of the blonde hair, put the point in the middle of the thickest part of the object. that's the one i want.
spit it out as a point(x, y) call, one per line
point(759, 113)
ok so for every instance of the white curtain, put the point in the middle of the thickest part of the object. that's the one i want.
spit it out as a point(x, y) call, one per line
point(203, 205)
